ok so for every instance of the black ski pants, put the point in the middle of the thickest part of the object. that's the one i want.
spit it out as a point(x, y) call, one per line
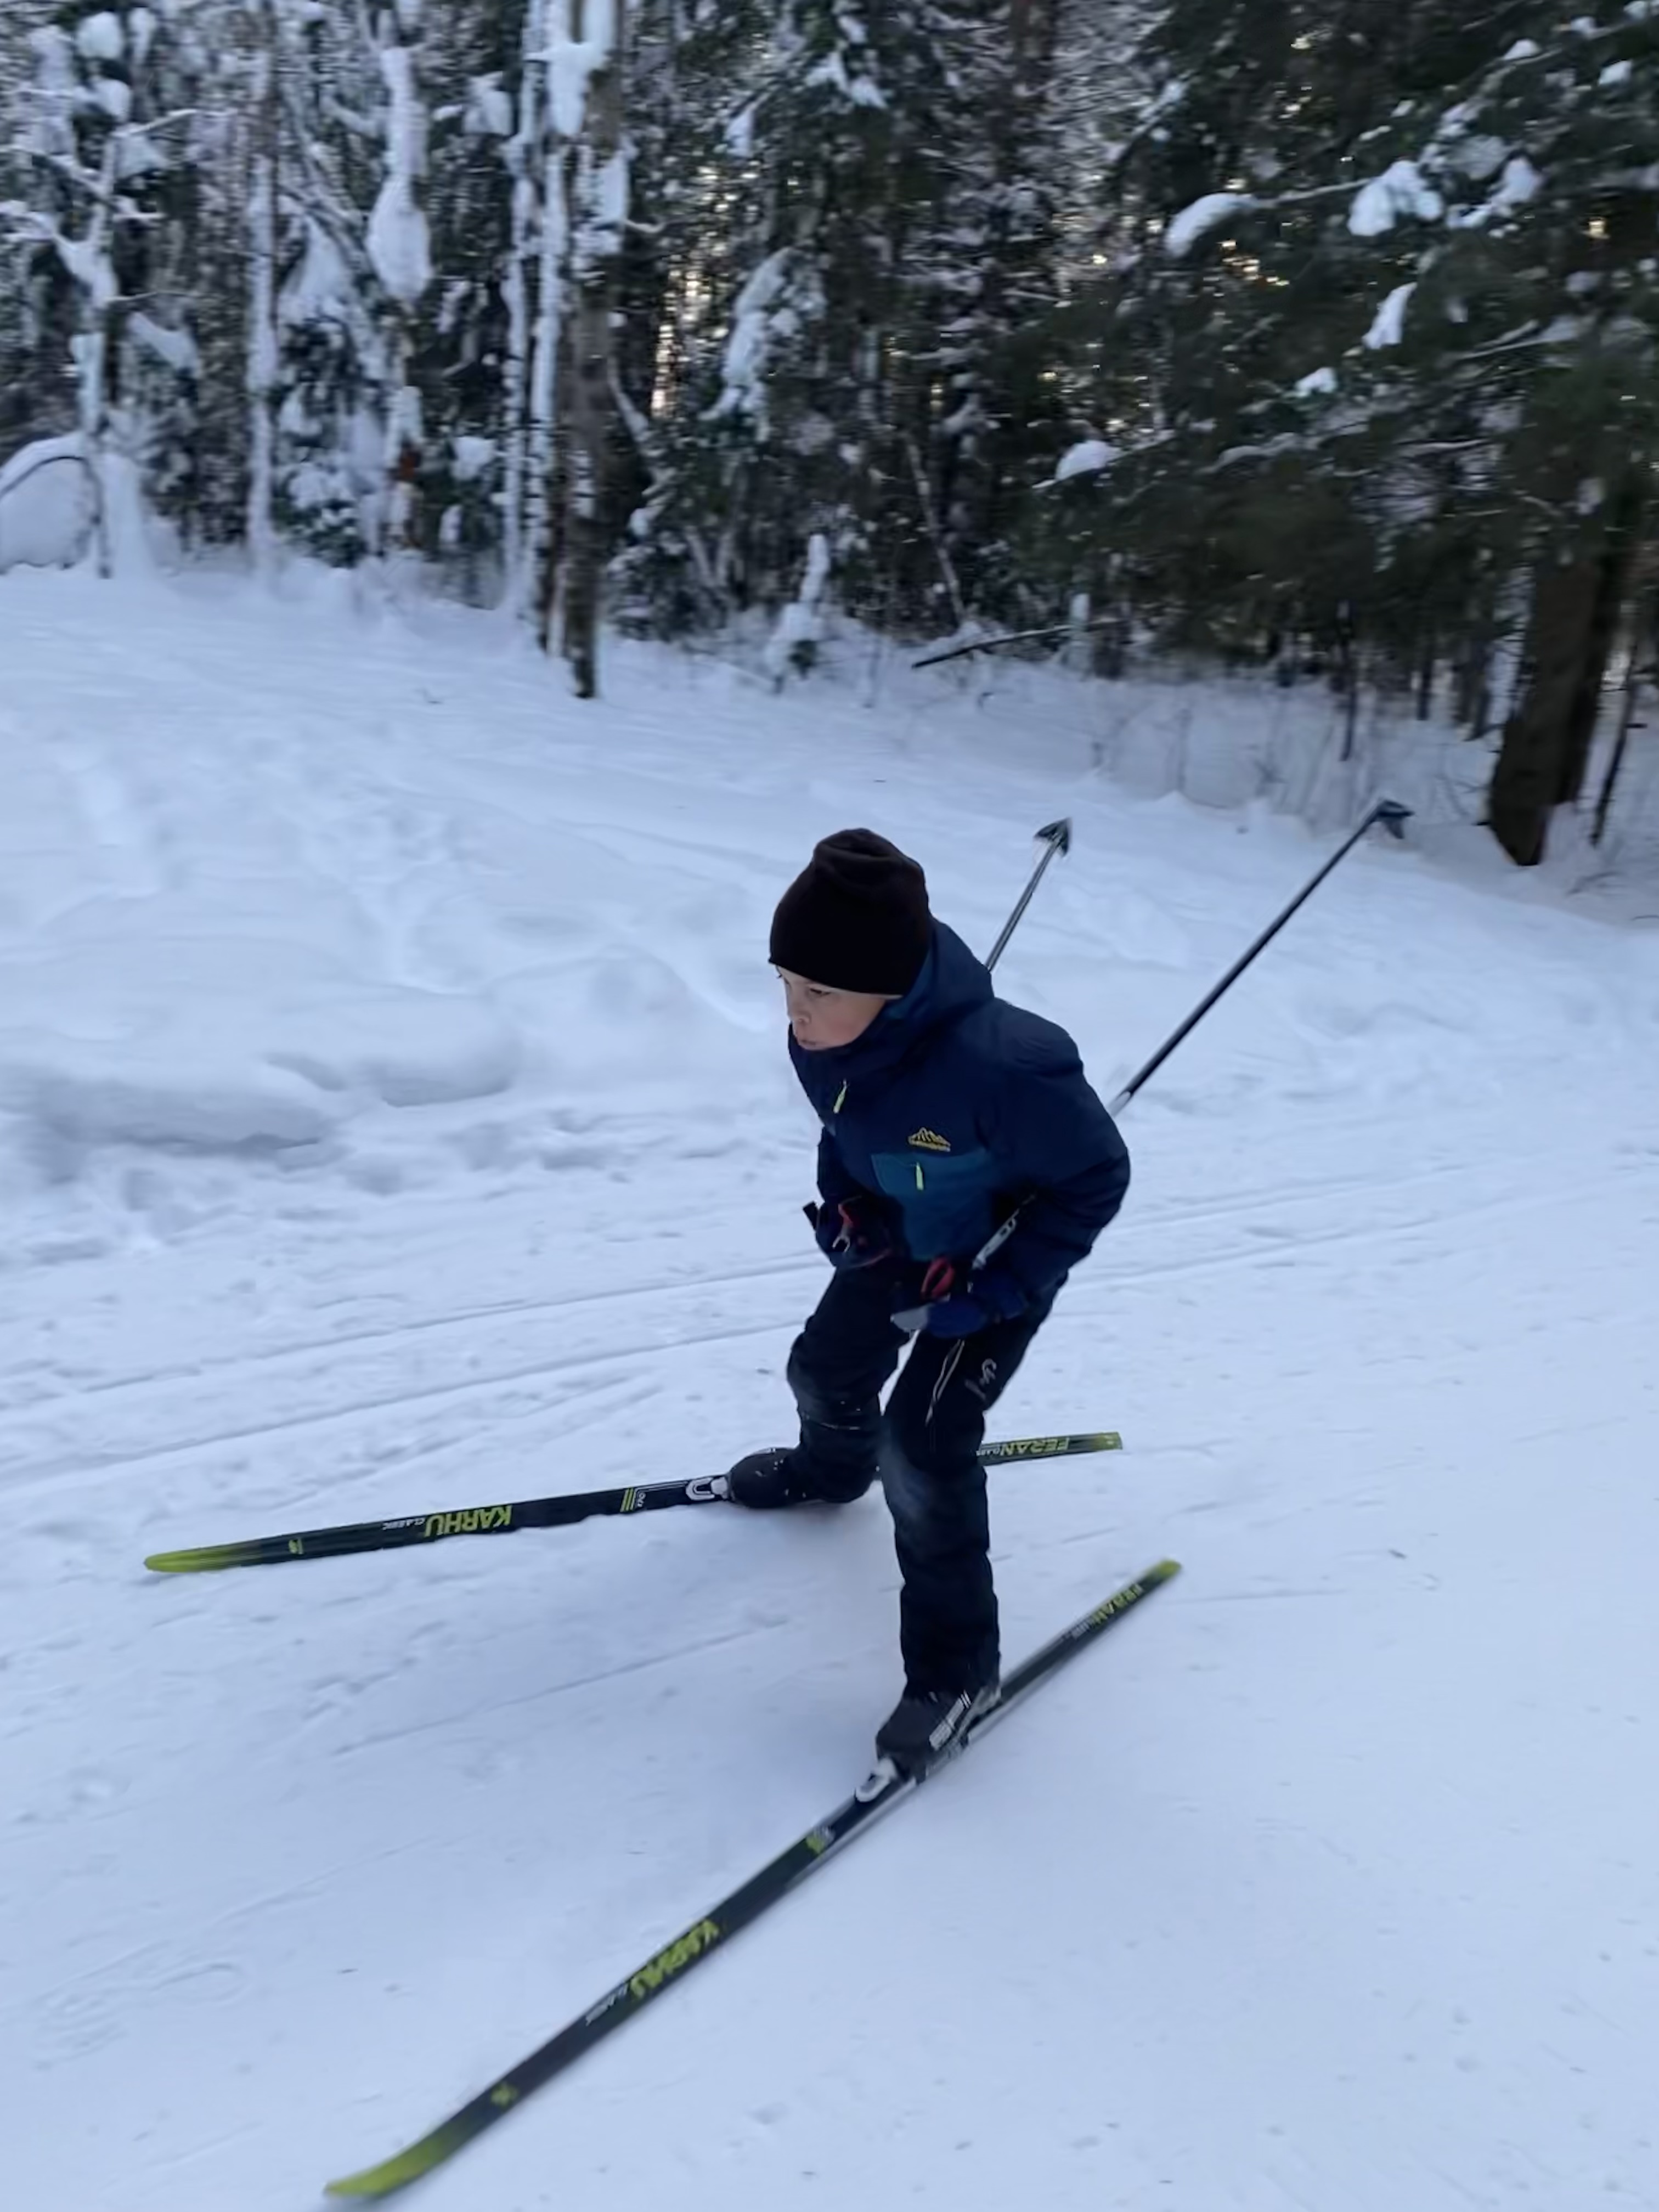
point(925, 1449)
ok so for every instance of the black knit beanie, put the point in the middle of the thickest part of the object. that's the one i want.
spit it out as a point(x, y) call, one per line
point(856, 917)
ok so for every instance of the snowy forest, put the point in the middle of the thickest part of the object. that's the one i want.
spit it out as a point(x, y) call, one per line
point(1315, 338)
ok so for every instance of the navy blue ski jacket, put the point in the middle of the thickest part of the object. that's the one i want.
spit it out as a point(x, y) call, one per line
point(953, 1109)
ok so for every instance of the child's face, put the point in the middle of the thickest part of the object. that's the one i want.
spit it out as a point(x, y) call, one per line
point(822, 1018)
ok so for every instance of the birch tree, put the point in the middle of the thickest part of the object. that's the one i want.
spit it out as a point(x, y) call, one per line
point(586, 87)
point(399, 248)
point(263, 350)
point(79, 128)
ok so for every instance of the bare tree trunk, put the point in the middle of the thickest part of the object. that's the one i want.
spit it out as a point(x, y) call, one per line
point(930, 516)
point(263, 362)
point(1472, 705)
point(399, 248)
point(1640, 674)
point(555, 503)
point(1425, 674)
point(1547, 740)
point(1034, 26)
point(1346, 678)
point(527, 159)
point(595, 197)
point(563, 21)
point(100, 295)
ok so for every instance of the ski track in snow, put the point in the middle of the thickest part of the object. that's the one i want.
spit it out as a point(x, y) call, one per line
point(1328, 1881)
point(319, 1367)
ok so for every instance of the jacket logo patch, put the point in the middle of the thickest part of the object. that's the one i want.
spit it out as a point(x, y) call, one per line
point(929, 1140)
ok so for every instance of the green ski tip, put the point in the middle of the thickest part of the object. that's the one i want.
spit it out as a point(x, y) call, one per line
point(207, 1560)
point(395, 2173)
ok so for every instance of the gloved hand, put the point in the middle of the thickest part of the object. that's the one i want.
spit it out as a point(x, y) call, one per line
point(852, 1233)
point(988, 1298)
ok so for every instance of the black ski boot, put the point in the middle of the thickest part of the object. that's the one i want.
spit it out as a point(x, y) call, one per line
point(921, 1728)
point(767, 1480)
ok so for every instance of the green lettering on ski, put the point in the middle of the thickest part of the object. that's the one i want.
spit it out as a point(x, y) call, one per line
point(474, 1520)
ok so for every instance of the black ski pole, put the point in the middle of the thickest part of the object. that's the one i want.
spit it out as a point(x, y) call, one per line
point(1056, 837)
point(1392, 817)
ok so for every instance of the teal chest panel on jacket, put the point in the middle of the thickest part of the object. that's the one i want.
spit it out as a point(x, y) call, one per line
point(947, 1199)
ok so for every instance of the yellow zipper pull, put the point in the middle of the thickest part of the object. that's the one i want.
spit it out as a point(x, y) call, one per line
point(841, 1099)
point(920, 1184)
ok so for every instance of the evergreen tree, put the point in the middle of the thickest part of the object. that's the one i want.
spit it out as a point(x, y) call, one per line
point(36, 396)
point(472, 61)
point(861, 357)
point(1530, 333)
point(99, 233)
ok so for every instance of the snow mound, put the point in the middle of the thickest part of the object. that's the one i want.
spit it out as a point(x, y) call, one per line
point(48, 506)
point(145, 1092)
point(214, 1044)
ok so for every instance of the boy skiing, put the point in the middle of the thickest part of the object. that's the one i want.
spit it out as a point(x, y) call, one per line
point(964, 1167)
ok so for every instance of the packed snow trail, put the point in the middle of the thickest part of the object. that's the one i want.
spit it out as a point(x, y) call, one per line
point(393, 1109)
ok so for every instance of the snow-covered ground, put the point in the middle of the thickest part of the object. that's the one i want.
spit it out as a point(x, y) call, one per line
point(393, 1115)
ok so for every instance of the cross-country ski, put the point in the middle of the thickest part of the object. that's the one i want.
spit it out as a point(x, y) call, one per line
point(554, 1512)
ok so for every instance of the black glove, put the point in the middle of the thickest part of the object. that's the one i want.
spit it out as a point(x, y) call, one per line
point(852, 1233)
